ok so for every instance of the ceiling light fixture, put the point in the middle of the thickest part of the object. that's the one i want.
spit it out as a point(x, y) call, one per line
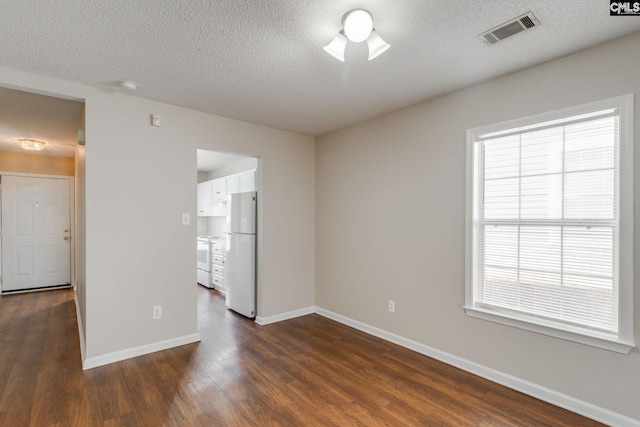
point(31, 144)
point(357, 27)
point(128, 85)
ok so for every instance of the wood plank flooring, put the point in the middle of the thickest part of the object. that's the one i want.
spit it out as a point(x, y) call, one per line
point(308, 371)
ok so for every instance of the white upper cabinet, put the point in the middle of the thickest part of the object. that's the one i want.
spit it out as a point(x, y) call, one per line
point(241, 182)
point(205, 202)
point(247, 181)
point(233, 184)
point(219, 189)
point(212, 195)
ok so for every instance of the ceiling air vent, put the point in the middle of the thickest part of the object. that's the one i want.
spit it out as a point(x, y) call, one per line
point(509, 28)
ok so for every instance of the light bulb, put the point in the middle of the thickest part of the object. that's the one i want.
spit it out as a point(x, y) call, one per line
point(358, 24)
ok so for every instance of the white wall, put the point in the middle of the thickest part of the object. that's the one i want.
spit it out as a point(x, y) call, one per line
point(138, 181)
point(390, 223)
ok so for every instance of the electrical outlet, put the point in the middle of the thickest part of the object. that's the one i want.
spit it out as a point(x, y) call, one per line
point(392, 306)
point(157, 312)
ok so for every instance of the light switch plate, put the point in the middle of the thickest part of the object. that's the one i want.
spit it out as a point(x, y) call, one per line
point(157, 312)
point(186, 218)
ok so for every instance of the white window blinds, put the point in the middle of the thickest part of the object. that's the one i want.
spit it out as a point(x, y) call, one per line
point(545, 223)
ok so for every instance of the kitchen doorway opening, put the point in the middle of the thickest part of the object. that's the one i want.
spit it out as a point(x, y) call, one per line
point(225, 182)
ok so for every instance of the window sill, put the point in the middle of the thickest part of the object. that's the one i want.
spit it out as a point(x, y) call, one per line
point(542, 326)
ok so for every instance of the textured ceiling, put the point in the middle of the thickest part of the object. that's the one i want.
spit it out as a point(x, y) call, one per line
point(263, 62)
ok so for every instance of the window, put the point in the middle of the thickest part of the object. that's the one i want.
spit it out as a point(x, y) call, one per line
point(550, 224)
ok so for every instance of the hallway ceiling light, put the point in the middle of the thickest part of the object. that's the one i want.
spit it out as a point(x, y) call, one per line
point(357, 27)
point(31, 144)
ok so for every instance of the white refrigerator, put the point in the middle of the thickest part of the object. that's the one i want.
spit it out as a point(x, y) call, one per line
point(240, 263)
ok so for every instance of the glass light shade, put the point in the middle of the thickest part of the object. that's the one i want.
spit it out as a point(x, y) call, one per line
point(31, 144)
point(376, 45)
point(358, 24)
point(337, 46)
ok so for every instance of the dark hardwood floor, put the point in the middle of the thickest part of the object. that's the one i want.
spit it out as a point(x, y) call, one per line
point(308, 371)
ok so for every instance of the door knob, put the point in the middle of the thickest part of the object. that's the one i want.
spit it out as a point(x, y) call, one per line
point(66, 237)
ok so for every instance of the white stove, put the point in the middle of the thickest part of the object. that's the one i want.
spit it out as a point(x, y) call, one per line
point(204, 261)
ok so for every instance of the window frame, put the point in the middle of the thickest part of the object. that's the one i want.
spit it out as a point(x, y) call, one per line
point(624, 341)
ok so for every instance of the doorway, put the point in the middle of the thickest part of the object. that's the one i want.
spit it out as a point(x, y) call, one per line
point(220, 175)
point(56, 123)
point(36, 232)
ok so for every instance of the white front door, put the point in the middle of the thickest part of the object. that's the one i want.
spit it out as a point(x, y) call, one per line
point(36, 248)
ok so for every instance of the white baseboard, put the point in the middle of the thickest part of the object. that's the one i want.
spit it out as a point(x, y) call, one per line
point(285, 316)
point(543, 393)
point(80, 328)
point(105, 359)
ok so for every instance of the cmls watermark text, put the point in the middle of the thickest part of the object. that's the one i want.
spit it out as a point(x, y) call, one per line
point(621, 8)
